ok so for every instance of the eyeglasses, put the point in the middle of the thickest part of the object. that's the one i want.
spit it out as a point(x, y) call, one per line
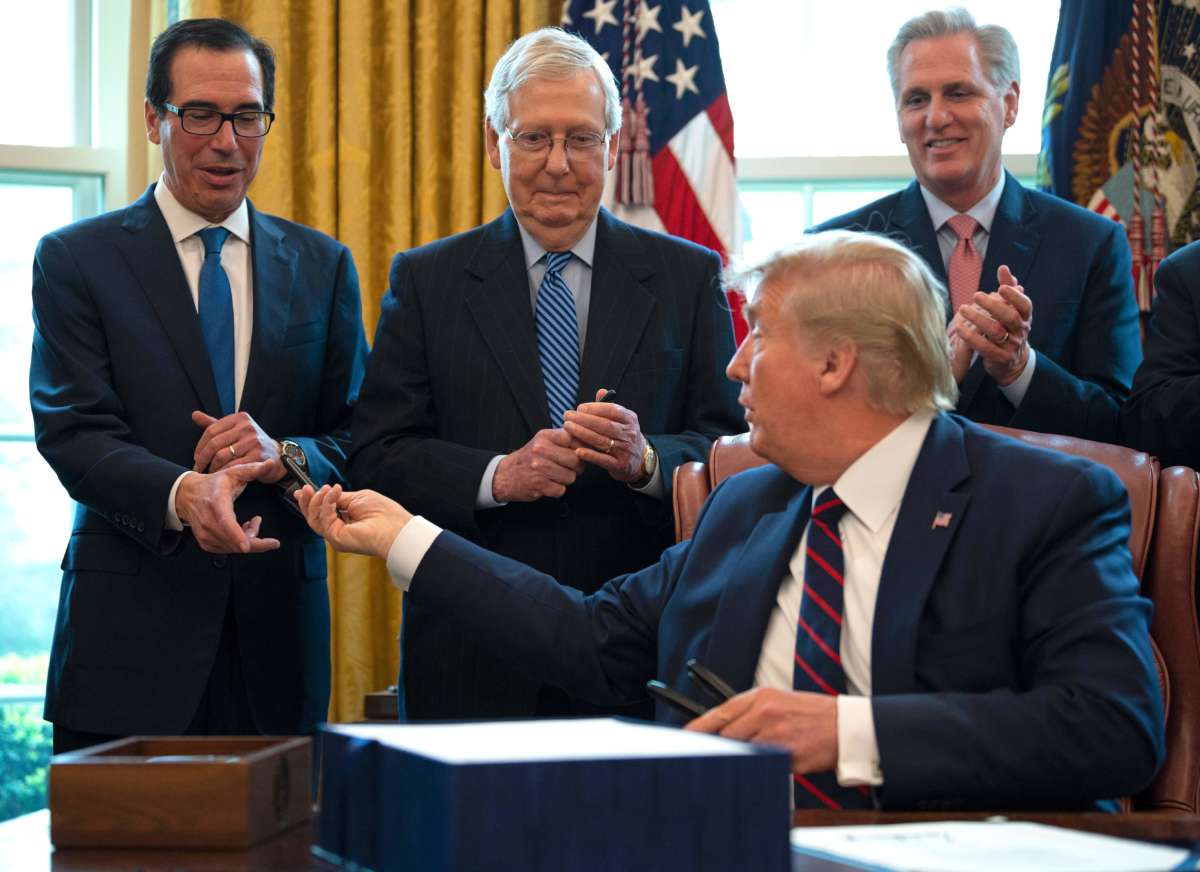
point(537, 142)
point(205, 122)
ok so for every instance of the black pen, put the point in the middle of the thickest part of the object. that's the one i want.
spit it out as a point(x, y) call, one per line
point(676, 700)
point(608, 396)
point(709, 680)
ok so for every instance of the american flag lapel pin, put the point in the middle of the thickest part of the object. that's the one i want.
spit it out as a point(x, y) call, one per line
point(941, 519)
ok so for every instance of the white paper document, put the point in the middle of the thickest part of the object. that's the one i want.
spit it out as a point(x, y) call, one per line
point(983, 846)
point(539, 740)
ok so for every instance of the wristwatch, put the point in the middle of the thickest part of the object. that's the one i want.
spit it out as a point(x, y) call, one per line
point(649, 465)
point(291, 455)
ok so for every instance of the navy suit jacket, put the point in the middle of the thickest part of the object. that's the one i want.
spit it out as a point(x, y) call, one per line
point(1010, 656)
point(1162, 415)
point(1076, 268)
point(118, 366)
point(454, 380)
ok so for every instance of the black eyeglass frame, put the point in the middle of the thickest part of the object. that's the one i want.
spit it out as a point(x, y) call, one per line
point(231, 117)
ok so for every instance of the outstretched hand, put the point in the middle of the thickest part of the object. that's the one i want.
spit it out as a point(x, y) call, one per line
point(361, 522)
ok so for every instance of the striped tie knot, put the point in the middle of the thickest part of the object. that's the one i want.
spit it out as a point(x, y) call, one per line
point(556, 261)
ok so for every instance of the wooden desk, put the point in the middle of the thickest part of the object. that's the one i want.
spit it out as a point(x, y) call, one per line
point(25, 842)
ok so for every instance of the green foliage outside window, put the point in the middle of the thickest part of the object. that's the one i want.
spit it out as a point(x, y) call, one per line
point(25, 740)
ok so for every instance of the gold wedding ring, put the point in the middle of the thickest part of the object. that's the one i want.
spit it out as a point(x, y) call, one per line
point(1002, 339)
point(232, 450)
point(611, 443)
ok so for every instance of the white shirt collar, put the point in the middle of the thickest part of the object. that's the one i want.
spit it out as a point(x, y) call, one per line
point(584, 249)
point(873, 485)
point(983, 212)
point(184, 223)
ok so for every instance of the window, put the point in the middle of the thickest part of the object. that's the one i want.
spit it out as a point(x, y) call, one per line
point(815, 121)
point(61, 159)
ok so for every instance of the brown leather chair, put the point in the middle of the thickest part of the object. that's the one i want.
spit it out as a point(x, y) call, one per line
point(1165, 514)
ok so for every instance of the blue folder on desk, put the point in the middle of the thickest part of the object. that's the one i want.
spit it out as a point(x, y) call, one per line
point(589, 794)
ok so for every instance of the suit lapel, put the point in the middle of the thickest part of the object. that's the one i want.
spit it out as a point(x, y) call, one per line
point(911, 217)
point(150, 252)
point(749, 595)
point(499, 303)
point(930, 513)
point(1012, 242)
point(619, 308)
point(274, 282)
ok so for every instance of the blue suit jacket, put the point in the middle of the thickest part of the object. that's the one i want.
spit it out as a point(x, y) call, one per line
point(454, 380)
point(118, 366)
point(1076, 268)
point(1162, 415)
point(1010, 654)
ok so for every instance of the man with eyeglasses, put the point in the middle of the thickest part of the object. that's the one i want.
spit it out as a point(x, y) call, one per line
point(189, 352)
point(486, 406)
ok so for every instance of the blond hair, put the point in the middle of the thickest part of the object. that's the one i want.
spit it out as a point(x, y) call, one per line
point(873, 292)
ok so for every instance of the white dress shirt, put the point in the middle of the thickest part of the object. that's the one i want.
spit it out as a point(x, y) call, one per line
point(577, 275)
point(872, 488)
point(984, 213)
point(185, 226)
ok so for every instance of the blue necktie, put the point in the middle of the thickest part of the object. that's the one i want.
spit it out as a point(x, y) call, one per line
point(558, 338)
point(818, 662)
point(216, 315)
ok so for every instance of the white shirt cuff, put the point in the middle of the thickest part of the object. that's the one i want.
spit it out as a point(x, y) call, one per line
point(1015, 392)
point(484, 498)
point(408, 550)
point(858, 752)
point(654, 487)
point(173, 522)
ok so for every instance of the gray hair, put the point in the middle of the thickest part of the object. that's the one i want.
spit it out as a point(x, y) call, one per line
point(549, 53)
point(997, 48)
point(873, 292)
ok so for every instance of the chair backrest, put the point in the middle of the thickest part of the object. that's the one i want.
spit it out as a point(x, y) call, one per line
point(1165, 516)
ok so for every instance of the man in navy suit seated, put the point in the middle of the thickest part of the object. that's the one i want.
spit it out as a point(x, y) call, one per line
point(926, 613)
point(1042, 312)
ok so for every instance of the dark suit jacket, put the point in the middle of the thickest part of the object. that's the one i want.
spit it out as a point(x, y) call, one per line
point(454, 380)
point(118, 366)
point(1162, 415)
point(1076, 268)
point(1010, 656)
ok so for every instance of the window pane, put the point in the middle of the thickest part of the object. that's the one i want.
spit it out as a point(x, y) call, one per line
point(30, 212)
point(814, 82)
point(38, 40)
point(834, 201)
point(772, 219)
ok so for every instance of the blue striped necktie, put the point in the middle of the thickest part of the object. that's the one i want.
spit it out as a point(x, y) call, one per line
point(818, 662)
point(558, 338)
point(216, 315)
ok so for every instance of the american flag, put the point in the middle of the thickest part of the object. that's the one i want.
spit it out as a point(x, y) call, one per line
point(681, 179)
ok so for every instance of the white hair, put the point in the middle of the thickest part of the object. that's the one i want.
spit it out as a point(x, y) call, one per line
point(549, 53)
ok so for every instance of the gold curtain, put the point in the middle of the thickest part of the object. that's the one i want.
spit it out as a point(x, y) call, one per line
point(378, 142)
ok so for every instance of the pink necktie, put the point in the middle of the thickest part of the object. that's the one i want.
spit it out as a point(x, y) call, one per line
point(966, 265)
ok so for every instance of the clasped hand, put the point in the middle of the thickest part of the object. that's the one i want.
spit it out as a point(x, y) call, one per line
point(604, 434)
point(232, 451)
point(996, 327)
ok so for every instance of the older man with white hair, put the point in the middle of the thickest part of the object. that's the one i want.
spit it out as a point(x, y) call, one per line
point(481, 405)
point(897, 605)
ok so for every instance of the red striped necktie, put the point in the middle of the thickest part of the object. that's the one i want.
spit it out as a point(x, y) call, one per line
point(818, 662)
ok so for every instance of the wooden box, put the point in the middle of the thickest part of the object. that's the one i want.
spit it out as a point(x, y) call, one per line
point(180, 791)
